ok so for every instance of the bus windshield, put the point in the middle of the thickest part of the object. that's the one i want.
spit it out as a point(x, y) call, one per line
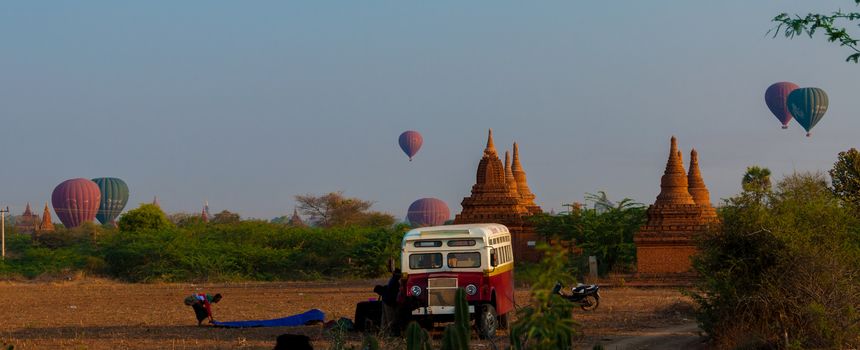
point(464, 260)
point(425, 261)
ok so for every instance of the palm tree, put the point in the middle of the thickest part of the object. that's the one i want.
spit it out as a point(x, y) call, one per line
point(756, 180)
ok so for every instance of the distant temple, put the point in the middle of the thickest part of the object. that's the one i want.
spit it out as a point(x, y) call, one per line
point(296, 220)
point(501, 195)
point(682, 210)
point(204, 213)
point(29, 223)
point(47, 225)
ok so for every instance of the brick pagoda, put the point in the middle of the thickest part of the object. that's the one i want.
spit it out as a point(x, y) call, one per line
point(682, 210)
point(501, 195)
point(46, 225)
point(28, 222)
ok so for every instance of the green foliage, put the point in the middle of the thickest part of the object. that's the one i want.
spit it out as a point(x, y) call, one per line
point(606, 232)
point(247, 250)
point(795, 25)
point(756, 180)
point(226, 217)
point(461, 314)
point(845, 177)
point(416, 337)
point(145, 217)
point(455, 338)
point(546, 324)
point(783, 271)
point(370, 343)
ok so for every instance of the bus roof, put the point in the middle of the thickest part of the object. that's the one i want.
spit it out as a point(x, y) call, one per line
point(462, 231)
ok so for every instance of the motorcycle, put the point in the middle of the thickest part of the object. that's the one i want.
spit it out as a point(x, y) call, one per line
point(587, 296)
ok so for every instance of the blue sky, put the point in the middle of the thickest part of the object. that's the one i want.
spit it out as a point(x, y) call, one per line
point(246, 104)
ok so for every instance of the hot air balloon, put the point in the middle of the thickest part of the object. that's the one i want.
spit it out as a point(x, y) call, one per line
point(808, 106)
point(410, 142)
point(428, 212)
point(76, 201)
point(114, 196)
point(775, 97)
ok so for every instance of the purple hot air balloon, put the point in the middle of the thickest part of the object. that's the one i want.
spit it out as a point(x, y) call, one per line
point(76, 201)
point(775, 97)
point(410, 142)
point(428, 212)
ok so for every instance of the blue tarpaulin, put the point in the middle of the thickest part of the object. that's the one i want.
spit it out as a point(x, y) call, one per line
point(294, 320)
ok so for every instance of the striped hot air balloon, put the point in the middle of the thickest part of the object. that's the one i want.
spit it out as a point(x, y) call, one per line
point(428, 212)
point(808, 106)
point(114, 196)
point(76, 201)
point(775, 98)
point(410, 143)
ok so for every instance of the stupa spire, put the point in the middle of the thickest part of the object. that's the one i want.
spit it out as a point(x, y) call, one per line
point(296, 220)
point(46, 224)
point(510, 181)
point(491, 148)
point(204, 213)
point(673, 184)
point(27, 211)
point(697, 188)
point(528, 198)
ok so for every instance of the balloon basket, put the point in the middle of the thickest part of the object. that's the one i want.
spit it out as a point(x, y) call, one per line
point(808, 134)
point(784, 127)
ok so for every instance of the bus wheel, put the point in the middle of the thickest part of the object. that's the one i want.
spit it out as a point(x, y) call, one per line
point(488, 322)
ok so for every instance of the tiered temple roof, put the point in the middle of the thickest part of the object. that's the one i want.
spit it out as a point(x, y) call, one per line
point(27, 222)
point(46, 225)
point(682, 210)
point(497, 197)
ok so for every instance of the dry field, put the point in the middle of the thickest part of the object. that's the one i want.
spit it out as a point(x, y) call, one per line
point(98, 314)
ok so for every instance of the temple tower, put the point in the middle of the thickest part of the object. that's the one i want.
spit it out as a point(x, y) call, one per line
point(296, 220)
point(509, 177)
point(492, 201)
point(27, 222)
point(664, 244)
point(46, 225)
point(698, 190)
point(527, 198)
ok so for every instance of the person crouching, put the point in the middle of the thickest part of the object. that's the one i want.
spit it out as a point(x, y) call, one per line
point(202, 305)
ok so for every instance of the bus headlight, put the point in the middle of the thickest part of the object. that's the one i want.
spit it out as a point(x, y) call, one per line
point(471, 289)
point(416, 290)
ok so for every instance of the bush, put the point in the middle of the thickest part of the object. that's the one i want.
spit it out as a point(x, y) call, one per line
point(783, 270)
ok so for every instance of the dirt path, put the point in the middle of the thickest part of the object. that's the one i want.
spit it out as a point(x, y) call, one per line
point(683, 336)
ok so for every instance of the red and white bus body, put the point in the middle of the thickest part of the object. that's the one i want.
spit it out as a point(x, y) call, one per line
point(476, 257)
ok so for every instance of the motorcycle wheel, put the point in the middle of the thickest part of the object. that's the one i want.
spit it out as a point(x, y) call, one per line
point(589, 302)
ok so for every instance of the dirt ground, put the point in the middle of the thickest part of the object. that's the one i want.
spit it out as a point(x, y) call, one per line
point(98, 314)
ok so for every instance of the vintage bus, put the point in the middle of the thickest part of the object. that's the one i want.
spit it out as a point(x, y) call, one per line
point(476, 257)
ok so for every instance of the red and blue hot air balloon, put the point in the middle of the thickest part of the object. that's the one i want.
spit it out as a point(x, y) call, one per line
point(808, 106)
point(76, 201)
point(410, 142)
point(775, 97)
point(428, 212)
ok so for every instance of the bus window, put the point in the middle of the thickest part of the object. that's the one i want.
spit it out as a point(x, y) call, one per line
point(425, 261)
point(425, 244)
point(461, 243)
point(464, 260)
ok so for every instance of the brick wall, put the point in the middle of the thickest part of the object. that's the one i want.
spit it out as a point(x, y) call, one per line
point(664, 259)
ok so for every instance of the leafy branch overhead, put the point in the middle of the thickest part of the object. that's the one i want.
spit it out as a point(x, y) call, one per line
point(833, 25)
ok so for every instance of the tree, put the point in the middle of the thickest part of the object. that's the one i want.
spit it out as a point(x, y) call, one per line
point(226, 217)
point(605, 232)
point(832, 25)
point(783, 272)
point(845, 176)
point(336, 210)
point(145, 217)
point(756, 180)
